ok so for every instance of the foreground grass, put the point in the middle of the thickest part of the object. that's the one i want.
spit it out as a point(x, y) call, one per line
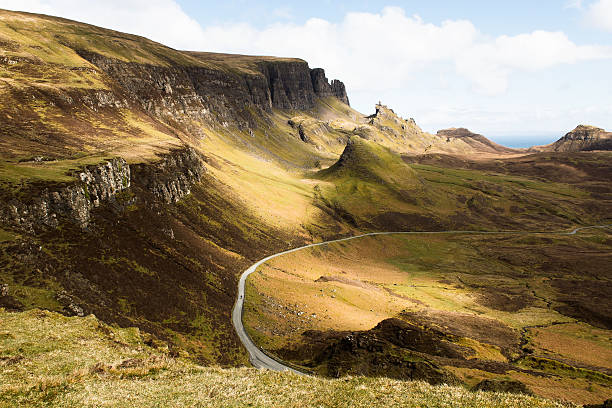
point(47, 359)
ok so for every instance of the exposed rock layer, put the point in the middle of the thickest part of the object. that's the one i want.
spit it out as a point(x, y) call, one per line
point(200, 93)
point(168, 180)
point(584, 138)
point(323, 88)
point(171, 178)
point(75, 201)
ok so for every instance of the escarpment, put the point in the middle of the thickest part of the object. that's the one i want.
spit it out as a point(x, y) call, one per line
point(168, 180)
point(192, 92)
point(171, 178)
point(74, 201)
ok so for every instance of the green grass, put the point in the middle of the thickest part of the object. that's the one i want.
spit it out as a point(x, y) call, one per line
point(18, 174)
point(468, 178)
point(50, 360)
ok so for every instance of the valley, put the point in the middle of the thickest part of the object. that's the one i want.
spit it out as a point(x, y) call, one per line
point(138, 182)
point(346, 302)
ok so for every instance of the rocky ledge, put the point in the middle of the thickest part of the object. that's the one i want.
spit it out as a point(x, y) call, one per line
point(171, 178)
point(75, 201)
point(168, 180)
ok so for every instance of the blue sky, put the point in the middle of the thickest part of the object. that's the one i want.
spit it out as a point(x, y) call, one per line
point(493, 17)
point(520, 72)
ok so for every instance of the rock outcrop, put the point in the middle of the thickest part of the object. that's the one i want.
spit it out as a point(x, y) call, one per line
point(171, 178)
point(309, 129)
point(192, 92)
point(583, 138)
point(323, 88)
point(74, 201)
point(393, 348)
point(168, 180)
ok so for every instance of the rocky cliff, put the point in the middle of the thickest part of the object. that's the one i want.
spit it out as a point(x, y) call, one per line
point(582, 138)
point(74, 201)
point(323, 88)
point(171, 178)
point(168, 180)
point(192, 92)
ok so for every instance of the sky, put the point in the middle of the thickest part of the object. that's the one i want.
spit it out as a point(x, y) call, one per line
point(520, 72)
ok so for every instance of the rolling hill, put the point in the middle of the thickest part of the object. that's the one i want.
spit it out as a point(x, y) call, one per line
point(138, 181)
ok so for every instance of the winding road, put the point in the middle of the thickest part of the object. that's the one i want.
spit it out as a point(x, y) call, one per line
point(261, 359)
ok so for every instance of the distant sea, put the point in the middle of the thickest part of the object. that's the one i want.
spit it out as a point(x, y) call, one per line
point(516, 141)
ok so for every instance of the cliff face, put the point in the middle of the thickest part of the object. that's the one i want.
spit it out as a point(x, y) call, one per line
point(75, 201)
point(289, 85)
point(168, 180)
point(171, 178)
point(323, 88)
point(200, 93)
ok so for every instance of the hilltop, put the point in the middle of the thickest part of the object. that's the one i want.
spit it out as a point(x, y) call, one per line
point(477, 141)
point(582, 138)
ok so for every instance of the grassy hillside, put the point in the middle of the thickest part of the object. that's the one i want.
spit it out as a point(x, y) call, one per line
point(372, 187)
point(272, 177)
point(89, 364)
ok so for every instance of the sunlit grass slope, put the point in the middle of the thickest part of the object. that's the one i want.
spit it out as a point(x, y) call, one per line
point(503, 298)
point(373, 187)
point(50, 360)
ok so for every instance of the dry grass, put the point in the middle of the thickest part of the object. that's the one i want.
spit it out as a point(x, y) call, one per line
point(356, 284)
point(49, 360)
point(578, 342)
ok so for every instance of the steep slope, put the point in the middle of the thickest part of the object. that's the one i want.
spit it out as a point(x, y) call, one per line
point(370, 162)
point(582, 138)
point(91, 364)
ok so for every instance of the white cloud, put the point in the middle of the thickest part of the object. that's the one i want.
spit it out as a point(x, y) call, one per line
point(389, 48)
point(387, 52)
point(160, 20)
point(599, 14)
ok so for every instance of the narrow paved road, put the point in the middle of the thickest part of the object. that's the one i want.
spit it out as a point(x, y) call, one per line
point(260, 359)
